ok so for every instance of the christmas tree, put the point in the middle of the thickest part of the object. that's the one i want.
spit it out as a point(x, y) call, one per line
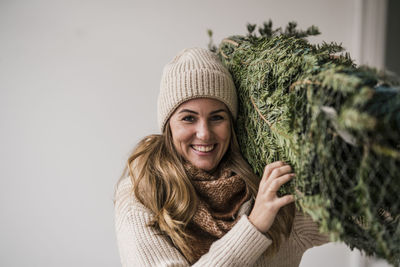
point(336, 124)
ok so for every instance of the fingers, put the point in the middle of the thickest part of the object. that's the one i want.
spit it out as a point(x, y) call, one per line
point(277, 172)
point(267, 202)
point(278, 182)
point(270, 167)
point(287, 199)
point(275, 169)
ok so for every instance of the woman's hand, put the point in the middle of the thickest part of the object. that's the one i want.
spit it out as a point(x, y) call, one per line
point(267, 202)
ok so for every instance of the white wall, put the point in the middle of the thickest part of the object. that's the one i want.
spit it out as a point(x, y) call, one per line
point(78, 87)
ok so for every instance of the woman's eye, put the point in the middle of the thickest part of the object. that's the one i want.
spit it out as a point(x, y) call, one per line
point(188, 118)
point(217, 118)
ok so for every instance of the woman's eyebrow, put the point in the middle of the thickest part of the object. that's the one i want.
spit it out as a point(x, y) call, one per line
point(219, 110)
point(188, 110)
point(194, 112)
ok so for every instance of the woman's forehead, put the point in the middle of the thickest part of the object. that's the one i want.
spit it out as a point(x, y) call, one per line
point(205, 104)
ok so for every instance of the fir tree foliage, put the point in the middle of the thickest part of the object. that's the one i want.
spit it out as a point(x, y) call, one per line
point(336, 124)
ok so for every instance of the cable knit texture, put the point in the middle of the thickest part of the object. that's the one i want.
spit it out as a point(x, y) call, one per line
point(243, 245)
point(194, 73)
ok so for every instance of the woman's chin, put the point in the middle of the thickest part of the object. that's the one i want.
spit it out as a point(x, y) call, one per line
point(205, 166)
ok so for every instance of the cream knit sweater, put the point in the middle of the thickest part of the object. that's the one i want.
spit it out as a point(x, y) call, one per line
point(243, 245)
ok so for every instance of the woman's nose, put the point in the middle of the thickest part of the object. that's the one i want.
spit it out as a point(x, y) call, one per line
point(203, 131)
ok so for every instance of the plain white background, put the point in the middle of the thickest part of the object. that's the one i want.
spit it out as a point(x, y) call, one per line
point(78, 88)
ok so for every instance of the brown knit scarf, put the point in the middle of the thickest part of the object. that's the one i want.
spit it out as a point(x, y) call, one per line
point(220, 194)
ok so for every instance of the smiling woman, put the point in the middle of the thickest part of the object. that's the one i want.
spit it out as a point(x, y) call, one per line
point(201, 132)
point(188, 197)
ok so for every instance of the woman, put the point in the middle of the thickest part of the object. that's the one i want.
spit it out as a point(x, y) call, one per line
point(190, 197)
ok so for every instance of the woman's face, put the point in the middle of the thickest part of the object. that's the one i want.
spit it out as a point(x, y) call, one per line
point(201, 131)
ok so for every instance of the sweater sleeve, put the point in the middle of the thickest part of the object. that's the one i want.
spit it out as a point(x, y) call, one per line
point(140, 245)
point(307, 232)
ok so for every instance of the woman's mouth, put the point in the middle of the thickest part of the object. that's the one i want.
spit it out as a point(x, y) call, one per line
point(203, 148)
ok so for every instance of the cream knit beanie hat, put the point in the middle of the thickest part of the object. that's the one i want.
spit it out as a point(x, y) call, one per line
point(194, 73)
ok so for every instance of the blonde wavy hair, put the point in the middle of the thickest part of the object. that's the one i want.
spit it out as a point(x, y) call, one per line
point(160, 183)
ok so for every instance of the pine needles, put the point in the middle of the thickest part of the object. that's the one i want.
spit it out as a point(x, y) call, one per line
point(337, 124)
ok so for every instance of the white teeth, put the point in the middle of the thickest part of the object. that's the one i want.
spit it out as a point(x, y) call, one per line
point(203, 148)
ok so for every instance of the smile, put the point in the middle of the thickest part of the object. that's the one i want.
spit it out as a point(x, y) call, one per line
point(203, 148)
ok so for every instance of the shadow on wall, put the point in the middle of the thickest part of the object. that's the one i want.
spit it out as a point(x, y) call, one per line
point(392, 56)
